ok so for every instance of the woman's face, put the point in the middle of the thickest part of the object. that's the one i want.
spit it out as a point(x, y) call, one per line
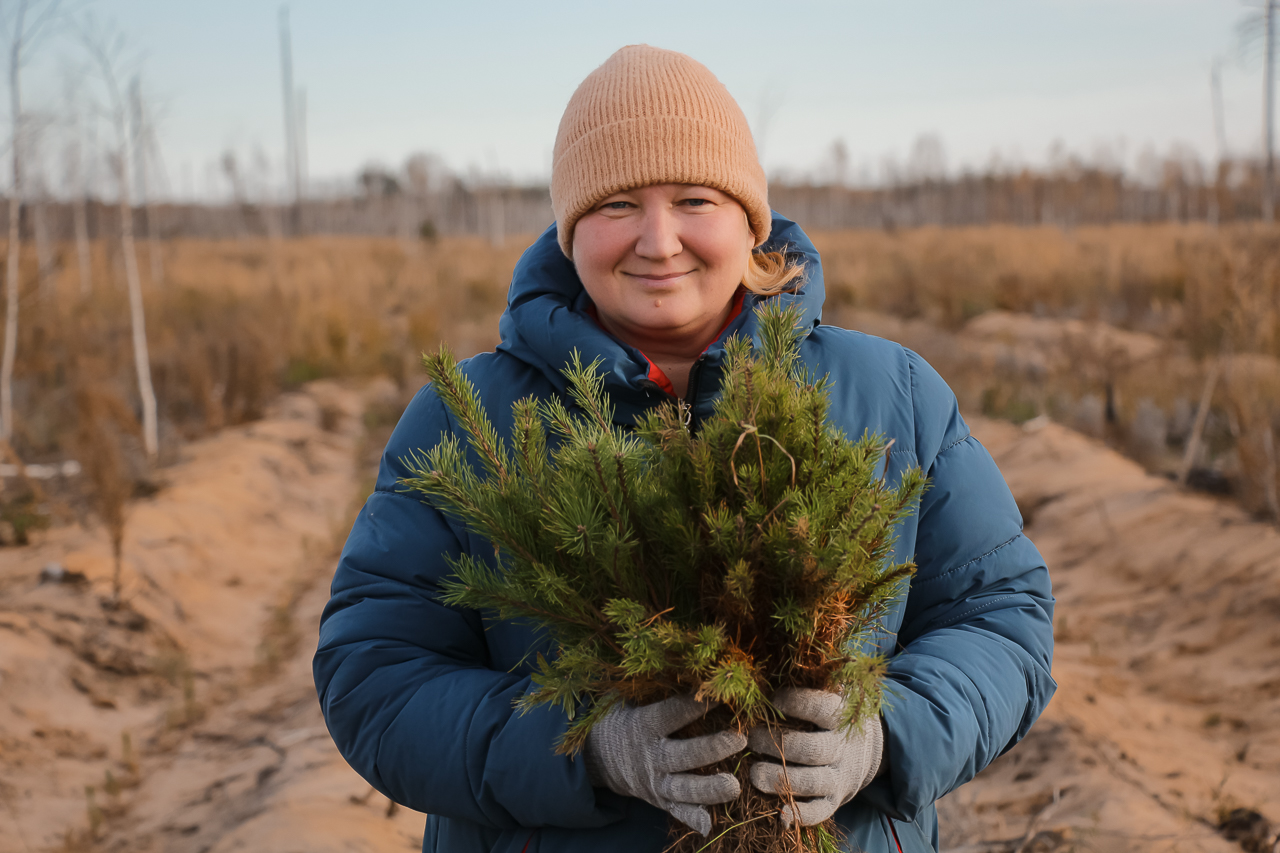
point(663, 262)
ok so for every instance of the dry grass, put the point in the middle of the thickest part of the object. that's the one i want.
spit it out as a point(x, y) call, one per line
point(235, 321)
point(1131, 276)
point(1111, 330)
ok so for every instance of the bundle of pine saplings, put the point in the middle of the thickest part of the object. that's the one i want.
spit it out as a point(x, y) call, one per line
point(748, 555)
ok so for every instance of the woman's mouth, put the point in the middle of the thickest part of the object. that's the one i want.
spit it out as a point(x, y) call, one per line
point(656, 280)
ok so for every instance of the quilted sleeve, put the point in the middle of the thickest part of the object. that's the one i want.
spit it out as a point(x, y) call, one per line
point(976, 644)
point(404, 681)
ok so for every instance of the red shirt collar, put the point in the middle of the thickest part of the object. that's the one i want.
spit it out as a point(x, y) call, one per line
point(655, 373)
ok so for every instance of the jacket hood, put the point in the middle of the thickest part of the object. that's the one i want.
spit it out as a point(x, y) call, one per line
point(546, 319)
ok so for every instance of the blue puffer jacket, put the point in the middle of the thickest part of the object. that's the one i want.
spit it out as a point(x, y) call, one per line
point(418, 696)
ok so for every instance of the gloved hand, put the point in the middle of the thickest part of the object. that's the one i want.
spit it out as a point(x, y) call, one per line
point(823, 769)
point(629, 752)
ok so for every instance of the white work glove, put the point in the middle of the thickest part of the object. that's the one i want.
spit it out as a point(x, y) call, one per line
point(823, 769)
point(629, 752)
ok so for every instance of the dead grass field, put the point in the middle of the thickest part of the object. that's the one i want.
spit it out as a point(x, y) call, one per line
point(1114, 331)
point(233, 322)
point(1111, 330)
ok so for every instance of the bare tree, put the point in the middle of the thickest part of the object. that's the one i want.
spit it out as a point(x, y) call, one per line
point(37, 130)
point(144, 151)
point(272, 215)
point(107, 52)
point(1220, 137)
point(73, 168)
point(1260, 29)
point(30, 20)
point(300, 140)
point(292, 159)
point(1268, 108)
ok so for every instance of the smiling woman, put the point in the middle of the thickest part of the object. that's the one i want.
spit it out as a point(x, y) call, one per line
point(664, 247)
point(663, 253)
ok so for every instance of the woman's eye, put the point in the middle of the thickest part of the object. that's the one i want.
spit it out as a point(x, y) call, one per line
point(617, 205)
point(697, 202)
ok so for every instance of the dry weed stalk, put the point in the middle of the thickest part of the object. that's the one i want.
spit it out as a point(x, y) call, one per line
point(104, 420)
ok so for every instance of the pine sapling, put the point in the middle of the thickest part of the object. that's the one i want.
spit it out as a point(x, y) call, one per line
point(754, 554)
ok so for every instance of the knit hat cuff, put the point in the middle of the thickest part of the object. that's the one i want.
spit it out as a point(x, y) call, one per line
point(631, 153)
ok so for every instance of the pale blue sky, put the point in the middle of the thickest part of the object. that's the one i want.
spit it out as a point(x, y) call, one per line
point(483, 84)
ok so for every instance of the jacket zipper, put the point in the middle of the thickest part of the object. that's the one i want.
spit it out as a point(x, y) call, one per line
point(691, 395)
point(892, 828)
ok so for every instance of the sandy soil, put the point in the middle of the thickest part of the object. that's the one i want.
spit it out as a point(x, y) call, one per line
point(1167, 716)
point(1168, 660)
point(168, 723)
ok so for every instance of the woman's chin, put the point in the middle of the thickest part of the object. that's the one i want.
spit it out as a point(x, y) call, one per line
point(660, 323)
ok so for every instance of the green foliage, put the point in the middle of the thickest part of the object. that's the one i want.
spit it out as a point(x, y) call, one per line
point(749, 556)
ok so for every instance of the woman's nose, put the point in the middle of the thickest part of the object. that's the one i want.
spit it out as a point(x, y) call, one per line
point(659, 235)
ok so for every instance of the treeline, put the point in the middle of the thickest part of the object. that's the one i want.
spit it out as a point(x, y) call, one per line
point(490, 211)
point(1072, 195)
point(422, 202)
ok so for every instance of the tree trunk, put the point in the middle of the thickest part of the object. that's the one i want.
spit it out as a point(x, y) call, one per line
point(137, 320)
point(149, 217)
point(1268, 105)
point(14, 247)
point(73, 166)
point(11, 313)
point(141, 141)
point(137, 316)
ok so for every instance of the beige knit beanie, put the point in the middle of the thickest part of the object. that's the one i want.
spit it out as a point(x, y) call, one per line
point(653, 116)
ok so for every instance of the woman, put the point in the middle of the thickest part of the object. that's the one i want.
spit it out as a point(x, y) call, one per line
point(663, 245)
